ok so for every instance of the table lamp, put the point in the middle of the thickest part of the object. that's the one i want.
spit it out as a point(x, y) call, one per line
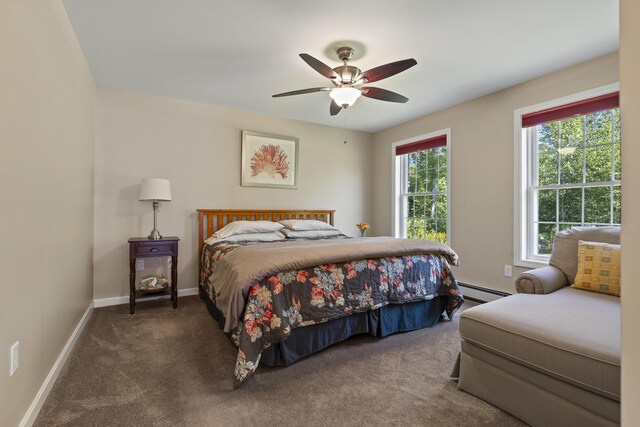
point(155, 190)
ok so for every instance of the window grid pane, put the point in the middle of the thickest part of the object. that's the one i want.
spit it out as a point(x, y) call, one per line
point(425, 195)
point(575, 175)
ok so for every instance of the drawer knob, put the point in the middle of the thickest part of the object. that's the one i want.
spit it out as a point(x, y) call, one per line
point(154, 250)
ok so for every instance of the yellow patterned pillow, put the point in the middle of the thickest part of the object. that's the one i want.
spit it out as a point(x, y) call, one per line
point(598, 268)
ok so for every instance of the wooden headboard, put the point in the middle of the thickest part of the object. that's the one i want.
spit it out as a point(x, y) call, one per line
point(211, 220)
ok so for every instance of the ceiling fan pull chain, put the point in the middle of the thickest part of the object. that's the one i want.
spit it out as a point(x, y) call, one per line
point(344, 128)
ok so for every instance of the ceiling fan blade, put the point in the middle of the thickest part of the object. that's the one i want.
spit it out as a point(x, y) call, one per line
point(319, 66)
point(302, 91)
point(387, 70)
point(334, 108)
point(383, 94)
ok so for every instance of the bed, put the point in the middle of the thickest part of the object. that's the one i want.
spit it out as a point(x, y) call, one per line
point(282, 301)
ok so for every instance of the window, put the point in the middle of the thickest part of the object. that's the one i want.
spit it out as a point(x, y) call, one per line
point(570, 160)
point(421, 202)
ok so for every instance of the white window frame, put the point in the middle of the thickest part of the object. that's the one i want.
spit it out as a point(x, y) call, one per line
point(396, 188)
point(522, 175)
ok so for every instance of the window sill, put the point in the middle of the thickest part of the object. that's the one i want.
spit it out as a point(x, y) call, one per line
point(531, 263)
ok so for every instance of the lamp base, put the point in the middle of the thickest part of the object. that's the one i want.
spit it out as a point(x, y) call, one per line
point(155, 235)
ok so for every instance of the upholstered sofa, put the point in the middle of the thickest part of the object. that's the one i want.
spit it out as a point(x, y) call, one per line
point(549, 355)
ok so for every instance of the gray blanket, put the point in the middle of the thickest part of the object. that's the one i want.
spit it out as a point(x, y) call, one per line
point(243, 266)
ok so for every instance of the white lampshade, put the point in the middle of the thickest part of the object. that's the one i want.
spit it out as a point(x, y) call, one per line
point(345, 96)
point(155, 189)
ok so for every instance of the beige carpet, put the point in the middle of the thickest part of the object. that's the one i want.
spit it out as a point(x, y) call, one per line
point(165, 367)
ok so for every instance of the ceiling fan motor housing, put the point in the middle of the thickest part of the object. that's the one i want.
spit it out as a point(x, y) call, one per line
point(348, 74)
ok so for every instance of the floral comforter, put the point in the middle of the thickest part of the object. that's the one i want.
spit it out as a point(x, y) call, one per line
point(280, 302)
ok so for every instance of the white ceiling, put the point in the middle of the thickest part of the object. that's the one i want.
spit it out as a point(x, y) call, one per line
point(239, 53)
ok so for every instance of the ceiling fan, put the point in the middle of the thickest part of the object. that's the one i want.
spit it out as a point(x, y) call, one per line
point(348, 80)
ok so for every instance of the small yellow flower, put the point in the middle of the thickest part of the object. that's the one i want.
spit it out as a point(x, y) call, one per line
point(363, 226)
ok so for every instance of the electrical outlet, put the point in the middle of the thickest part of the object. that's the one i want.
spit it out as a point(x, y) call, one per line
point(15, 358)
point(508, 271)
point(168, 262)
point(139, 264)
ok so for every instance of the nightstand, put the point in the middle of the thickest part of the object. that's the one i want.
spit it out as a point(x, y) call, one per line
point(142, 247)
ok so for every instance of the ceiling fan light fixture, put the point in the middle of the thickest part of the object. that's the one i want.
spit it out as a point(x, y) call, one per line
point(345, 96)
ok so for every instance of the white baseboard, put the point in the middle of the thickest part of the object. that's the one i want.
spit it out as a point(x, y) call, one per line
point(105, 302)
point(32, 413)
point(480, 294)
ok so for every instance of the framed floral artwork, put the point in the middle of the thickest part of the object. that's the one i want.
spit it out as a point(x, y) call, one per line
point(269, 160)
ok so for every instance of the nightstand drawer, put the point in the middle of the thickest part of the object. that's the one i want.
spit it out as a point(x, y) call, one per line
point(153, 249)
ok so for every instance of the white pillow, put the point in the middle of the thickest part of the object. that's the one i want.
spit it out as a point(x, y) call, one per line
point(309, 234)
point(306, 224)
point(246, 227)
point(274, 236)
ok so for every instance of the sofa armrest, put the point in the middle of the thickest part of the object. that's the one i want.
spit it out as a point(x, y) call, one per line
point(541, 281)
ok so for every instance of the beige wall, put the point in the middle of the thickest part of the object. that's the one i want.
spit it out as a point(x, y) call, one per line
point(630, 108)
point(482, 171)
point(46, 133)
point(47, 163)
point(197, 147)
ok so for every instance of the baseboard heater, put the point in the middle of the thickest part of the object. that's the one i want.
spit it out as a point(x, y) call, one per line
point(480, 294)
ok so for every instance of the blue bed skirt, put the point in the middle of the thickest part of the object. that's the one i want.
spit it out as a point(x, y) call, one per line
point(386, 320)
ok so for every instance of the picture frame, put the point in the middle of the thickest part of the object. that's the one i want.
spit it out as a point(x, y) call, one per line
point(269, 160)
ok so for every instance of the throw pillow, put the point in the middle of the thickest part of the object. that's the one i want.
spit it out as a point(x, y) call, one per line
point(598, 268)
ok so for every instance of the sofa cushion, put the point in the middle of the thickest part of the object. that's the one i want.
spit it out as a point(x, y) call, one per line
point(564, 254)
point(598, 268)
point(569, 334)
